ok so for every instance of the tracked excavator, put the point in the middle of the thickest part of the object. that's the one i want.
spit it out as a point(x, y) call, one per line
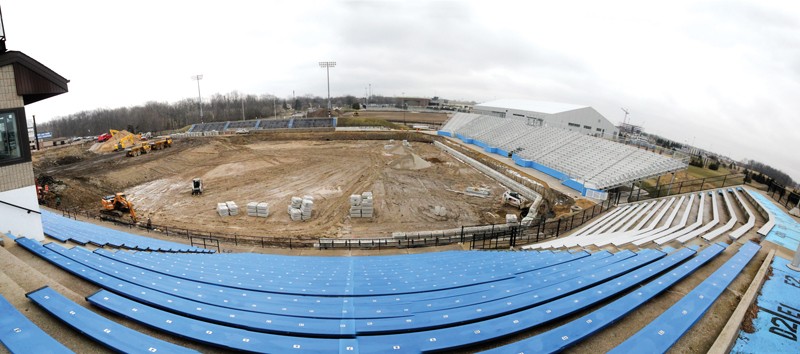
point(117, 206)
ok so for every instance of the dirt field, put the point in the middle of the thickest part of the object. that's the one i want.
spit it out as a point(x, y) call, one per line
point(407, 183)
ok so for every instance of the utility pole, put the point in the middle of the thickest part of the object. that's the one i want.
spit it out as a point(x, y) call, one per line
point(35, 133)
point(199, 98)
point(328, 65)
point(242, 108)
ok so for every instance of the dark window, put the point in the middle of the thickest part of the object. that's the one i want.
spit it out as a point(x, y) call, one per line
point(598, 129)
point(14, 147)
point(587, 127)
point(574, 125)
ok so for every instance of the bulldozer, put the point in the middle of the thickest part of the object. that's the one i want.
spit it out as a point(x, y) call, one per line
point(117, 205)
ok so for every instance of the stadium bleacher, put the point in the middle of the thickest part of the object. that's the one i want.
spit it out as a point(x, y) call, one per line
point(19, 335)
point(264, 124)
point(590, 162)
point(443, 301)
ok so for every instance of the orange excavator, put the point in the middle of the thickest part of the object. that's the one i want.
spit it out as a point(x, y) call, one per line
point(117, 205)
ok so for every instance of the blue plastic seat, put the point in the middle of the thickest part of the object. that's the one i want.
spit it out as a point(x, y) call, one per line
point(99, 328)
point(20, 335)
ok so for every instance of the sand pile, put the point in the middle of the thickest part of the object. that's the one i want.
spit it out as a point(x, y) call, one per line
point(111, 144)
point(411, 161)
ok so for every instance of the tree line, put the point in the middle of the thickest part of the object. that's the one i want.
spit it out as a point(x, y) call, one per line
point(770, 172)
point(163, 116)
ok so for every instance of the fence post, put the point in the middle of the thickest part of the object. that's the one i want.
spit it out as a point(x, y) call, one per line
point(558, 227)
point(724, 178)
point(187, 234)
point(235, 240)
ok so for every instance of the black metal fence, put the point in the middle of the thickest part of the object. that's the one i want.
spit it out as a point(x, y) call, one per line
point(646, 191)
point(783, 195)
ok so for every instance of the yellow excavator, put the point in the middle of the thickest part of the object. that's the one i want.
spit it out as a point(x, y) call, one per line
point(117, 205)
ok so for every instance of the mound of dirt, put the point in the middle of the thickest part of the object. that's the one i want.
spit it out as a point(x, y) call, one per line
point(111, 144)
point(411, 161)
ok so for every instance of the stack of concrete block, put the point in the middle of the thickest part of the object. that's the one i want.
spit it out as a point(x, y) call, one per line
point(262, 210)
point(367, 209)
point(251, 209)
point(258, 209)
point(233, 209)
point(406, 143)
point(361, 206)
point(222, 209)
point(306, 207)
point(301, 208)
point(439, 211)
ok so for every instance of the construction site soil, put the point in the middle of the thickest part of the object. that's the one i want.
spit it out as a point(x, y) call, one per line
point(408, 182)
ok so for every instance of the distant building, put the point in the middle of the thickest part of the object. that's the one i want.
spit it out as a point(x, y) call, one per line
point(577, 118)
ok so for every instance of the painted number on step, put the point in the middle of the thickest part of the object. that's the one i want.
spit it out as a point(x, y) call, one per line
point(785, 321)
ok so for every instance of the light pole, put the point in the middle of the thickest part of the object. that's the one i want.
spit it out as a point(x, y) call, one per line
point(199, 98)
point(328, 65)
point(403, 106)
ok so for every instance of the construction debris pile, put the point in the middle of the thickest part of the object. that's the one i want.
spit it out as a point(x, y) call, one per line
point(478, 191)
point(300, 208)
point(257, 209)
point(227, 208)
point(361, 205)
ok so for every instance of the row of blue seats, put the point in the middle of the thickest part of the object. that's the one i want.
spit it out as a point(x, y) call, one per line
point(566, 335)
point(65, 229)
point(19, 335)
point(449, 338)
point(325, 285)
point(372, 307)
point(106, 332)
point(226, 297)
point(312, 326)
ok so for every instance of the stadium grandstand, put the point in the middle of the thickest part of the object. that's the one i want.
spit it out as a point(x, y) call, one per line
point(263, 124)
point(557, 295)
point(582, 162)
point(572, 117)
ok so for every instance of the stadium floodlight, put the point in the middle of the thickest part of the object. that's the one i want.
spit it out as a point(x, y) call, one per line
point(328, 65)
point(199, 98)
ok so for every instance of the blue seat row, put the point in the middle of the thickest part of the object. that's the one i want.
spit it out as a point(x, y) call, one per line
point(215, 334)
point(560, 338)
point(20, 335)
point(64, 229)
point(491, 329)
point(99, 328)
point(666, 329)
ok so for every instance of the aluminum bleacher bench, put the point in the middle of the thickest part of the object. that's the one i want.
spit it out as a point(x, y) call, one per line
point(20, 335)
point(558, 339)
point(99, 328)
point(666, 329)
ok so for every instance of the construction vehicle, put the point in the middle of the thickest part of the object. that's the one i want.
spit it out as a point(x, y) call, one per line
point(160, 142)
point(137, 150)
point(124, 143)
point(515, 199)
point(117, 205)
point(197, 186)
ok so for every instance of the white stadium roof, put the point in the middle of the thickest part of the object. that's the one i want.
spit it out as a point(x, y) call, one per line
point(533, 106)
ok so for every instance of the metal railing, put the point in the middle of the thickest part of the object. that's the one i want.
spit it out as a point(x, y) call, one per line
point(695, 185)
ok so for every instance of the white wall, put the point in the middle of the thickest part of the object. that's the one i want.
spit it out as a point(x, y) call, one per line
point(17, 221)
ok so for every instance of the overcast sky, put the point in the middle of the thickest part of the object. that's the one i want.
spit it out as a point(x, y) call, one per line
point(721, 74)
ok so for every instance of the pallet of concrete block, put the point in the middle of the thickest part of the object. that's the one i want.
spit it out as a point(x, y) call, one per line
point(367, 209)
point(251, 209)
point(511, 219)
point(306, 206)
point(233, 209)
point(222, 209)
point(296, 214)
point(262, 210)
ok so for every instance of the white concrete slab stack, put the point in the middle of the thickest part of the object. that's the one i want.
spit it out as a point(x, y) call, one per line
point(262, 210)
point(367, 209)
point(233, 209)
point(306, 207)
point(251, 209)
point(222, 209)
